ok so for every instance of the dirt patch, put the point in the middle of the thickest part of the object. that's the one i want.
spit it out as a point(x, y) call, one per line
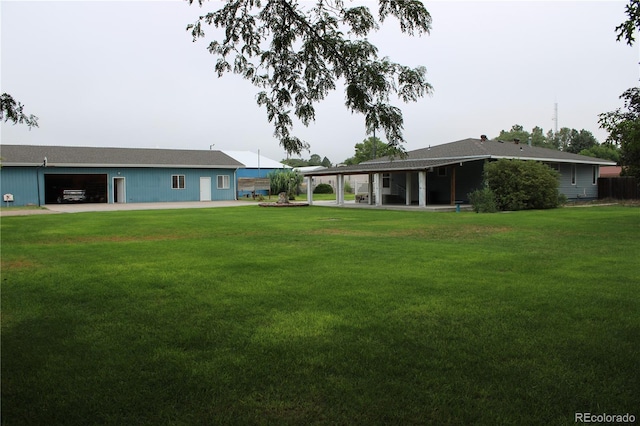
point(18, 264)
point(338, 231)
point(24, 212)
point(459, 232)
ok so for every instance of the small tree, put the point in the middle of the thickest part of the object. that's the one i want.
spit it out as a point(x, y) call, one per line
point(483, 201)
point(285, 181)
point(521, 185)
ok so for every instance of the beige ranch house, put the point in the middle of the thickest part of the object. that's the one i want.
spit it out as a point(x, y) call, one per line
point(445, 174)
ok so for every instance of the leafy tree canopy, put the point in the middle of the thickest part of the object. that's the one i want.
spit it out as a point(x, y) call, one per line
point(623, 126)
point(11, 110)
point(314, 160)
point(369, 149)
point(627, 29)
point(566, 139)
point(516, 132)
point(583, 139)
point(297, 51)
point(605, 151)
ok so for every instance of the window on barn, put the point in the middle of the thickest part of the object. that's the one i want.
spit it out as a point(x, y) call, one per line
point(573, 174)
point(223, 182)
point(177, 182)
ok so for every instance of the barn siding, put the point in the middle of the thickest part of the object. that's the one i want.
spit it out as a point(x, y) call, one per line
point(22, 182)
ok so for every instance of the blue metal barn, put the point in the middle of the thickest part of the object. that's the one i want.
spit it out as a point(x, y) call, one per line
point(38, 175)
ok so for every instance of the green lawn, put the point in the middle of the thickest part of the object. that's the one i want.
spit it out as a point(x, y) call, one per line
point(320, 315)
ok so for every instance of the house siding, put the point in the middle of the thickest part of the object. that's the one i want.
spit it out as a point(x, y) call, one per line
point(142, 185)
point(584, 188)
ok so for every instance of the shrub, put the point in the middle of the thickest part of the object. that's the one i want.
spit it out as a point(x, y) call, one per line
point(284, 181)
point(521, 185)
point(483, 200)
point(323, 188)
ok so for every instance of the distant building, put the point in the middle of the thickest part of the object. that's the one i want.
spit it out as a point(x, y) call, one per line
point(255, 167)
point(610, 171)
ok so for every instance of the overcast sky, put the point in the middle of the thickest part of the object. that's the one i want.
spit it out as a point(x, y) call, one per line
point(127, 74)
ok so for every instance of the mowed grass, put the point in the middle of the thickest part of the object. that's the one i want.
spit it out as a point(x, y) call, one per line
point(320, 316)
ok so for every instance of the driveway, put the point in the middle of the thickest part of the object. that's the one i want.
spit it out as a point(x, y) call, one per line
point(104, 207)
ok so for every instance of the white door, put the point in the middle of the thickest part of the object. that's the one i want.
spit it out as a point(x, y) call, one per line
point(119, 195)
point(205, 188)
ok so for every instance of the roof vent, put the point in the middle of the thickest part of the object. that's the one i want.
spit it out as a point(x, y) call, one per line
point(483, 138)
point(516, 141)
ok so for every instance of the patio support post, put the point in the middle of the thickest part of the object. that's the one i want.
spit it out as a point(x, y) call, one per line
point(422, 188)
point(340, 189)
point(310, 190)
point(377, 183)
point(453, 185)
point(408, 187)
point(370, 189)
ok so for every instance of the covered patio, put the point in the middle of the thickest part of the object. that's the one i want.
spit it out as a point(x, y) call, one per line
point(438, 184)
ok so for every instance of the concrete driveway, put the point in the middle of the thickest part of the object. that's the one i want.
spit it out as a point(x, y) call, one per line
point(104, 207)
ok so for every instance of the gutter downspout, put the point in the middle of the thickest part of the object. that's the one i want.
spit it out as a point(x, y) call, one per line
point(235, 184)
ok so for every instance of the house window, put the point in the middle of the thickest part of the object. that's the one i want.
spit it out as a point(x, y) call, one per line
point(386, 180)
point(177, 182)
point(223, 182)
point(442, 171)
point(594, 175)
point(573, 174)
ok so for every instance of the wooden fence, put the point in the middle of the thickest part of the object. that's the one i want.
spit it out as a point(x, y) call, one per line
point(619, 188)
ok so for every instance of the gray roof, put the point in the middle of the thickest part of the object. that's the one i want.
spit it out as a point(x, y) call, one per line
point(80, 156)
point(460, 152)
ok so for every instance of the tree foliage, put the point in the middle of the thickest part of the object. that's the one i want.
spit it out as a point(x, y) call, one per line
point(521, 185)
point(605, 151)
point(516, 132)
point(297, 51)
point(581, 140)
point(566, 139)
point(285, 181)
point(623, 126)
point(483, 200)
point(627, 29)
point(11, 110)
point(369, 149)
point(314, 160)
